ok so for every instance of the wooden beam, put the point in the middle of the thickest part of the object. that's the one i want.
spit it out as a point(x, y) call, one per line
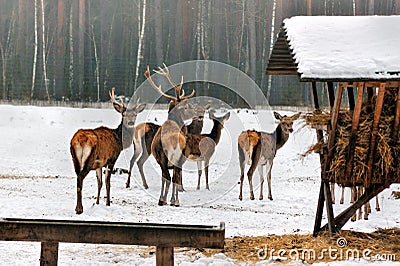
point(166, 235)
point(354, 128)
point(343, 217)
point(375, 126)
point(331, 94)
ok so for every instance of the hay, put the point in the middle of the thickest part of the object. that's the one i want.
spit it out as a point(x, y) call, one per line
point(251, 249)
point(384, 164)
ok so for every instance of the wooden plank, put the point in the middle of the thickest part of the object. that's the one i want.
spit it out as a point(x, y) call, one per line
point(344, 216)
point(353, 134)
point(332, 133)
point(49, 253)
point(164, 256)
point(320, 210)
point(375, 125)
point(112, 233)
point(329, 209)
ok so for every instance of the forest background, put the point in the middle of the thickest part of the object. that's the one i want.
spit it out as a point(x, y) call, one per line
point(76, 50)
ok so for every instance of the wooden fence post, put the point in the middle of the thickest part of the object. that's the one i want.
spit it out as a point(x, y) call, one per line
point(49, 254)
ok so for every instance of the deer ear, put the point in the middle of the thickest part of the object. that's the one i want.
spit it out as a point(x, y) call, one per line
point(277, 116)
point(226, 116)
point(119, 107)
point(139, 108)
point(211, 114)
point(295, 116)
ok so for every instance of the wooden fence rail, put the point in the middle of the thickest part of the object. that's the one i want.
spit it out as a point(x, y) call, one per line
point(164, 236)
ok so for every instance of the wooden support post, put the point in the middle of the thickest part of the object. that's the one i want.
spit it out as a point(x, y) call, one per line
point(354, 128)
point(343, 217)
point(325, 193)
point(372, 142)
point(49, 253)
point(164, 256)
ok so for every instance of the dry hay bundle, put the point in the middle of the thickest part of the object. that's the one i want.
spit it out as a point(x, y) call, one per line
point(385, 150)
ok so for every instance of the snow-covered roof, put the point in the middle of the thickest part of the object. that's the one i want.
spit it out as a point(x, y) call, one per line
point(340, 47)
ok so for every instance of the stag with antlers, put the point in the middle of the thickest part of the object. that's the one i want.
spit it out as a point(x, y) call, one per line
point(169, 143)
point(144, 135)
point(92, 149)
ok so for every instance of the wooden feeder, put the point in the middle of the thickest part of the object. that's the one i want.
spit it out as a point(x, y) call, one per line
point(350, 55)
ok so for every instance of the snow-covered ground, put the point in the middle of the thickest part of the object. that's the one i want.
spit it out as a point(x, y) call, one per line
point(35, 151)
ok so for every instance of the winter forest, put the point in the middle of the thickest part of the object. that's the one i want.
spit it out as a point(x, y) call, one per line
point(76, 50)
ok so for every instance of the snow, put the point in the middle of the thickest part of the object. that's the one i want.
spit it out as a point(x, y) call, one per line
point(341, 47)
point(35, 151)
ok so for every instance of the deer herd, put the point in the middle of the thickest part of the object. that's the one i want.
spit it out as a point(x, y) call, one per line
point(171, 144)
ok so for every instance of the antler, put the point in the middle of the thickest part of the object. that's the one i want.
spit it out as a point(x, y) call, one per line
point(179, 96)
point(158, 89)
point(112, 96)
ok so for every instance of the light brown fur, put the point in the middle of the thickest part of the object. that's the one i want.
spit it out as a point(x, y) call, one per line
point(92, 149)
point(259, 149)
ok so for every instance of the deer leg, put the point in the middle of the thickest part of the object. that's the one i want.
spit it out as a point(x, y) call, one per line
point(108, 184)
point(166, 182)
point(206, 163)
point(140, 164)
point(79, 184)
point(353, 199)
point(242, 164)
point(254, 162)
point(377, 208)
point(132, 162)
point(269, 180)
point(333, 192)
point(261, 172)
point(99, 183)
point(359, 192)
point(199, 172)
point(342, 197)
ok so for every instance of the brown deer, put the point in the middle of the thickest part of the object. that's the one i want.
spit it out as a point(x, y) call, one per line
point(92, 149)
point(201, 147)
point(259, 148)
point(144, 135)
point(169, 143)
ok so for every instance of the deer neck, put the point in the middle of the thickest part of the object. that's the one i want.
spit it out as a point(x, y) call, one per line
point(216, 131)
point(281, 137)
point(125, 135)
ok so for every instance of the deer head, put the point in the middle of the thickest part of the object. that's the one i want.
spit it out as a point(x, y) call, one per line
point(128, 114)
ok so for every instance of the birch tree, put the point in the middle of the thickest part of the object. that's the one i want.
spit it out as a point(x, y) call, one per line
point(271, 46)
point(35, 47)
point(46, 81)
point(141, 44)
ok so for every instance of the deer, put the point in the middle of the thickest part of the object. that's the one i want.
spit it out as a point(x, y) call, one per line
point(169, 143)
point(201, 147)
point(93, 149)
point(259, 148)
point(144, 135)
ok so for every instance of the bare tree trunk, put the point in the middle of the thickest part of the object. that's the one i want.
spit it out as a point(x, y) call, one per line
point(251, 7)
point(46, 81)
point(241, 35)
point(96, 58)
point(396, 7)
point(271, 46)
point(35, 50)
point(5, 53)
point(60, 50)
point(158, 32)
point(71, 53)
point(371, 7)
point(141, 44)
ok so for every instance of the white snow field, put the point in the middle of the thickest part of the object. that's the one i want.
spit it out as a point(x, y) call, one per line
point(41, 183)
